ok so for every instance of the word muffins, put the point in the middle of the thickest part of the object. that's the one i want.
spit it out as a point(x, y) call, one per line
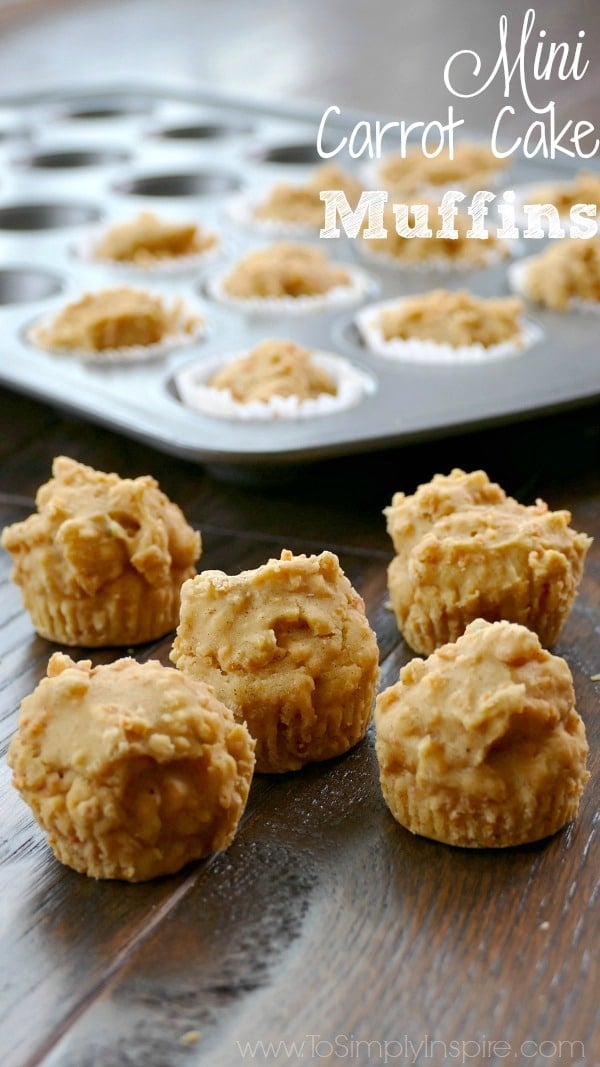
point(132, 770)
point(480, 745)
point(103, 559)
point(288, 647)
point(465, 550)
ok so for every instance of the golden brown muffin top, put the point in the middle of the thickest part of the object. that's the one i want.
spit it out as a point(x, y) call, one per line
point(284, 269)
point(290, 613)
point(147, 238)
point(453, 318)
point(490, 716)
point(274, 368)
point(102, 524)
point(473, 512)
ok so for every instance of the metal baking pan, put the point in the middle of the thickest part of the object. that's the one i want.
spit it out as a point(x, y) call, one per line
point(73, 159)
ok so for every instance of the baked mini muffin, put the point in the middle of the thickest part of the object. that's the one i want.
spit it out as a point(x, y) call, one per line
point(148, 239)
point(480, 745)
point(565, 273)
point(301, 205)
point(285, 269)
point(103, 559)
point(132, 770)
point(465, 550)
point(288, 647)
point(114, 319)
point(274, 368)
point(473, 166)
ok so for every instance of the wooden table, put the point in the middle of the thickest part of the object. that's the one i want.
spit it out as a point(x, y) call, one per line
point(324, 917)
point(324, 924)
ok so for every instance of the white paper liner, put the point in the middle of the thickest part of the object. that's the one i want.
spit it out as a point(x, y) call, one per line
point(85, 249)
point(130, 353)
point(352, 385)
point(340, 296)
point(440, 264)
point(241, 211)
point(432, 352)
point(516, 279)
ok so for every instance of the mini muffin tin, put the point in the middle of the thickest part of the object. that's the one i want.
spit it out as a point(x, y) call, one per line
point(77, 160)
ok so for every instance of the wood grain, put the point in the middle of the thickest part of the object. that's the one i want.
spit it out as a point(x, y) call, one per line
point(324, 917)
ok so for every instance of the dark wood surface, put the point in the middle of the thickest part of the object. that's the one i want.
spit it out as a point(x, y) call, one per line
point(324, 917)
point(325, 924)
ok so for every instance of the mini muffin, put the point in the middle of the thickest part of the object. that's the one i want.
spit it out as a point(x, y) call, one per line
point(473, 166)
point(301, 205)
point(564, 274)
point(465, 550)
point(288, 647)
point(114, 320)
point(132, 770)
point(147, 240)
point(274, 368)
point(103, 559)
point(480, 745)
point(284, 269)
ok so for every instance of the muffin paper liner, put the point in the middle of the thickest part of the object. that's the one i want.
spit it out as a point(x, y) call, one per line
point(241, 211)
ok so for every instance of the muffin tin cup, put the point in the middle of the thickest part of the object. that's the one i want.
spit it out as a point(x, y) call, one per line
point(179, 338)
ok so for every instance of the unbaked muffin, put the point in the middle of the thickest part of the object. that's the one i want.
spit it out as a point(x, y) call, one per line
point(440, 252)
point(453, 318)
point(566, 273)
point(103, 559)
point(285, 269)
point(274, 368)
point(148, 239)
point(288, 647)
point(465, 550)
point(584, 188)
point(480, 745)
point(132, 770)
